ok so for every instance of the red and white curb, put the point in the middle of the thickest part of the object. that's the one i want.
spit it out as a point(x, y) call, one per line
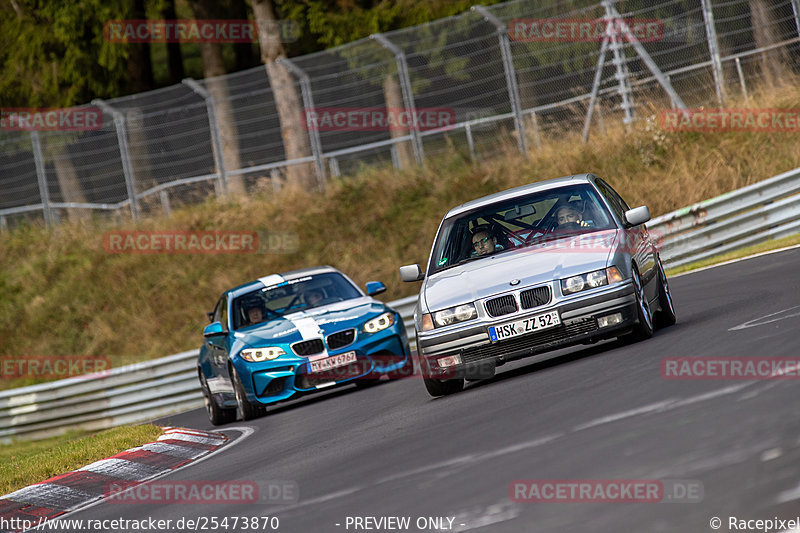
point(177, 447)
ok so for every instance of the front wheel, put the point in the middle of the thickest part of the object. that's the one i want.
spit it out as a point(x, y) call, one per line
point(644, 328)
point(443, 387)
point(216, 414)
point(244, 409)
point(666, 314)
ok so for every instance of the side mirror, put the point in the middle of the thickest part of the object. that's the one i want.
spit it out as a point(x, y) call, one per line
point(638, 215)
point(411, 273)
point(213, 330)
point(375, 287)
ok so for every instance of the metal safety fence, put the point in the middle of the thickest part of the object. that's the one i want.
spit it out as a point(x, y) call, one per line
point(148, 390)
point(497, 78)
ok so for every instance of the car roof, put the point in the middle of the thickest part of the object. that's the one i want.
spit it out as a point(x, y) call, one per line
point(289, 275)
point(522, 190)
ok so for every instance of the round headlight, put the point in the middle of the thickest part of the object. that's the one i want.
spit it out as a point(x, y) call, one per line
point(465, 312)
point(574, 284)
point(597, 278)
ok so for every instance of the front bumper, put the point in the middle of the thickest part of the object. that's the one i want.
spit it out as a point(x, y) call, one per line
point(288, 377)
point(578, 325)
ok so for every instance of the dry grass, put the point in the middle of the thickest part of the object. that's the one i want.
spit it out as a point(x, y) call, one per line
point(64, 295)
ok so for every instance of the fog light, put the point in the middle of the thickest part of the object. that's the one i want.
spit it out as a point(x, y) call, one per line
point(450, 360)
point(609, 320)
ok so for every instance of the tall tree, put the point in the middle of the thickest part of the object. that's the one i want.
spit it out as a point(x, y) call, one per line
point(140, 66)
point(213, 70)
point(174, 56)
point(290, 111)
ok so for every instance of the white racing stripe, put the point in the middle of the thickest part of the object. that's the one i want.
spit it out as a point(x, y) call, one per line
point(309, 329)
point(272, 279)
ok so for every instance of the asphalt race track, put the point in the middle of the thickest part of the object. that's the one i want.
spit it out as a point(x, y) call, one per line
point(592, 412)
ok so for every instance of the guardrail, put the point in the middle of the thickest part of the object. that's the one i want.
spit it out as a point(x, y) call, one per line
point(143, 391)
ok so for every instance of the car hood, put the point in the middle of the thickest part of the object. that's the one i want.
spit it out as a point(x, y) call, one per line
point(540, 263)
point(314, 323)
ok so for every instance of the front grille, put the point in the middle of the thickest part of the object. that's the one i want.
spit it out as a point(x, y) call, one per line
point(341, 339)
point(532, 341)
point(534, 297)
point(501, 306)
point(306, 348)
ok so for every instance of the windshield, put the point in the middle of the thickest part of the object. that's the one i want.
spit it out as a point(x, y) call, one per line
point(519, 223)
point(291, 296)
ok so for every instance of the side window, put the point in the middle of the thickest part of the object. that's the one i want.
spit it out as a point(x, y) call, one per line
point(221, 312)
point(618, 205)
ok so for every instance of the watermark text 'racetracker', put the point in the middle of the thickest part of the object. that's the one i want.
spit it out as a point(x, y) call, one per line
point(51, 119)
point(378, 118)
point(196, 31)
point(585, 30)
point(199, 242)
point(730, 368)
point(722, 120)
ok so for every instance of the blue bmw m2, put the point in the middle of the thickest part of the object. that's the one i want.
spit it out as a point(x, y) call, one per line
point(295, 333)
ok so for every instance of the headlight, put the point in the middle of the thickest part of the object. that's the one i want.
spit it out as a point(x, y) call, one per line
point(379, 323)
point(459, 313)
point(256, 355)
point(591, 280)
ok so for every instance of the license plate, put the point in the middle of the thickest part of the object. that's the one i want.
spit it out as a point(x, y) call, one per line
point(524, 326)
point(334, 361)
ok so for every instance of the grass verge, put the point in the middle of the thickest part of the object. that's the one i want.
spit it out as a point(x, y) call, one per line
point(766, 246)
point(23, 463)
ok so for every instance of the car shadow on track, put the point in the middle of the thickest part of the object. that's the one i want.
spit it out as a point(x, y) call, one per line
point(557, 358)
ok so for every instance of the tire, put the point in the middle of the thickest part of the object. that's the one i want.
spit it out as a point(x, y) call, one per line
point(644, 328)
point(665, 317)
point(443, 387)
point(216, 414)
point(244, 409)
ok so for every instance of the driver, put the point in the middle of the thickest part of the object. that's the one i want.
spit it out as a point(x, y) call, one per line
point(569, 218)
point(483, 242)
point(254, 314)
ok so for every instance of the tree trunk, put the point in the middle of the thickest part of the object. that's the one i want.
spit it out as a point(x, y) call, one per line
point(68, 182)
point(141, 171)
point(245, 55)
point(290, 112)
point(394, 102)
point(174, 57)
point(140, 66)
point(213, 68)
point(765, 33)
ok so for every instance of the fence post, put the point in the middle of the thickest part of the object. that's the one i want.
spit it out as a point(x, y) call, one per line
point(44, 192)
point(511, 79)
point(713, 49)
point(219, 157)
point(611, 11)
point(741, 80)
point(595, 88)
point(165, 207)
point(796, 11)
point(124, 154)
point(3, 224)
point(405, 88)
point(308, 103)
point(470, 140)
point(621, 69)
